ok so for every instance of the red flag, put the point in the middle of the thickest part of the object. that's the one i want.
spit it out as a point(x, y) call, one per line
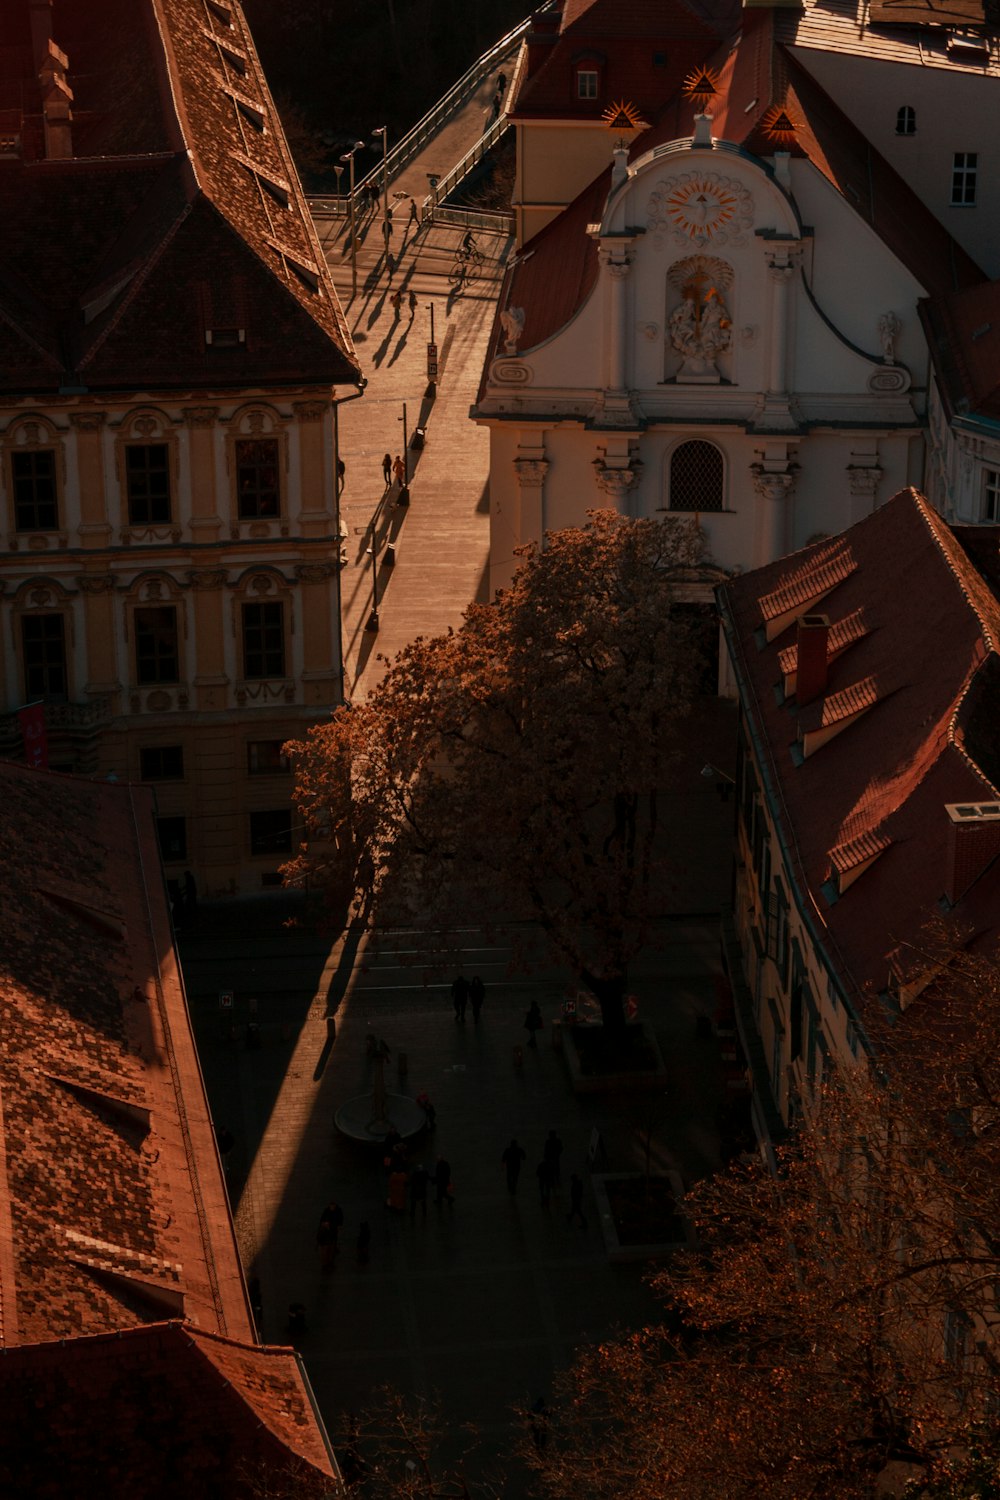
point(36, 744)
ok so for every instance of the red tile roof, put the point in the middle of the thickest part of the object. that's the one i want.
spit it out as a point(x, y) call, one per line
point(929, 739)
point(179, 205)
point(162, 1411)
point(963, 331)
point(645, 49)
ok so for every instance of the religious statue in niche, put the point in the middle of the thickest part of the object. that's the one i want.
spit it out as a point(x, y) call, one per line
point(700, 328)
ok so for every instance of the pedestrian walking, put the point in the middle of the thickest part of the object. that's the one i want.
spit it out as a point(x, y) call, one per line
point(396, 1190)
point(460, 995)
point(501, 82)
point(477, 994)
point(426, 1104)
point(387, 229)
point(553, 1152)
point(341, 475)
point(443, 1189)
point(418, 1190)
point(387, 469)
point(414, 216)
point(413, 302)
point(364, 1242)
point(399, 472)
point(496, 106)
point(511, 1161)
point(544, 1174)
point(328, 1234)
point(576, 1201)
point(533, 1023)
point(397, 301)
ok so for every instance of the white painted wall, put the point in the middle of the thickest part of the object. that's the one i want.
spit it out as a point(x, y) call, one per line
point(956, 110)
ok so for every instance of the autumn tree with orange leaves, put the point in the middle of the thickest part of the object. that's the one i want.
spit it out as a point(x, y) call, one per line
point(837, 1330)
point(512, 767)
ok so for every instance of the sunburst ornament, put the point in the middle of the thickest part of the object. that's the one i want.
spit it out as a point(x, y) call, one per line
point(701, 85)
point(779, 124)
point(623, 116)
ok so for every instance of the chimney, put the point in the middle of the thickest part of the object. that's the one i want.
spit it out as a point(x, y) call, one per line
point(973, 843)
point(811, 660)
point(56, 99)
point(544, 31)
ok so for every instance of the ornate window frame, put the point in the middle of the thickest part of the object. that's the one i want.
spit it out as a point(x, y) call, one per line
point(264, 584)
point(253, 421)
point(155, 588)
point(141, 427)
point(43, 596)
point(669, 459)
point(31, 432)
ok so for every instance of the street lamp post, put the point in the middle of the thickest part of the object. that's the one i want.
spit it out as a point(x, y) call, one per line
point(380, 130)
point(349, 157)
point(372, 623)
point(404, 494)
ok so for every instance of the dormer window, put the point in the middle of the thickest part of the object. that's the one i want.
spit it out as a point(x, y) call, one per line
point(587, 80)
point(906, 120)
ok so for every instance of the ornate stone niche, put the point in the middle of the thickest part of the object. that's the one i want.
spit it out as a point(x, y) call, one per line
point(699, 327)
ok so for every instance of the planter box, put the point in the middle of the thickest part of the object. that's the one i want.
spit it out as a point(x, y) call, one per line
point(589, 1080)
point(674, 1234)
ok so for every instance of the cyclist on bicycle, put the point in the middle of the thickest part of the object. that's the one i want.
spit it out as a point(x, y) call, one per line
point(468, 244)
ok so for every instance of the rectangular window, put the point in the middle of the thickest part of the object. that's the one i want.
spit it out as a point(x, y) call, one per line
point(263, 640)
point(257, 478)
point(147, 484)
point(963, 179)
point(271, 832)
point(161, 763)
point(43, 641)
point(991, 495)
point(264, 758)
point(156, 657)
point(34, 474)
point(586, 84)
point(172, 833)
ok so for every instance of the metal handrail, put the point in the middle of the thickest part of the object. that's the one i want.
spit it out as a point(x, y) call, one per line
point(490, 221)
point(447, 184)
point(428, 126)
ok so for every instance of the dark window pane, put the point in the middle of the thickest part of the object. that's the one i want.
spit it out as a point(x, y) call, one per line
point(147, 481)
point(263, 640)
point(172, 834)
point(161, 763)
point(696, 477)
point(43, 639)
point(156, 644)
point(264, 758)
point(35, 507)
point(257, 478)
point(271, 832)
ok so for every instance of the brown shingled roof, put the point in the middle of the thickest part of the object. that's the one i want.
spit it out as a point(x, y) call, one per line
point(881, 786)
point(163, 1411)
point(98, 1085)
point(186, 172)
point(963, 331)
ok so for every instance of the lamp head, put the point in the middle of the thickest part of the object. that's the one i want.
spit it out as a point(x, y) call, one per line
point(708, 772)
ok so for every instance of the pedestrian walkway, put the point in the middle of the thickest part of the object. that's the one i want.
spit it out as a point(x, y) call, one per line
point(483, 1302)
point(416, 566)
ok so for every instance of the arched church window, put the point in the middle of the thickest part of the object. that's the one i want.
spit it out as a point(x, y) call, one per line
point(697, 477)
point(906, 120)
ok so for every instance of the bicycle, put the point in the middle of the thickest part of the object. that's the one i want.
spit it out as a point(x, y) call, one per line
point(468, 266)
